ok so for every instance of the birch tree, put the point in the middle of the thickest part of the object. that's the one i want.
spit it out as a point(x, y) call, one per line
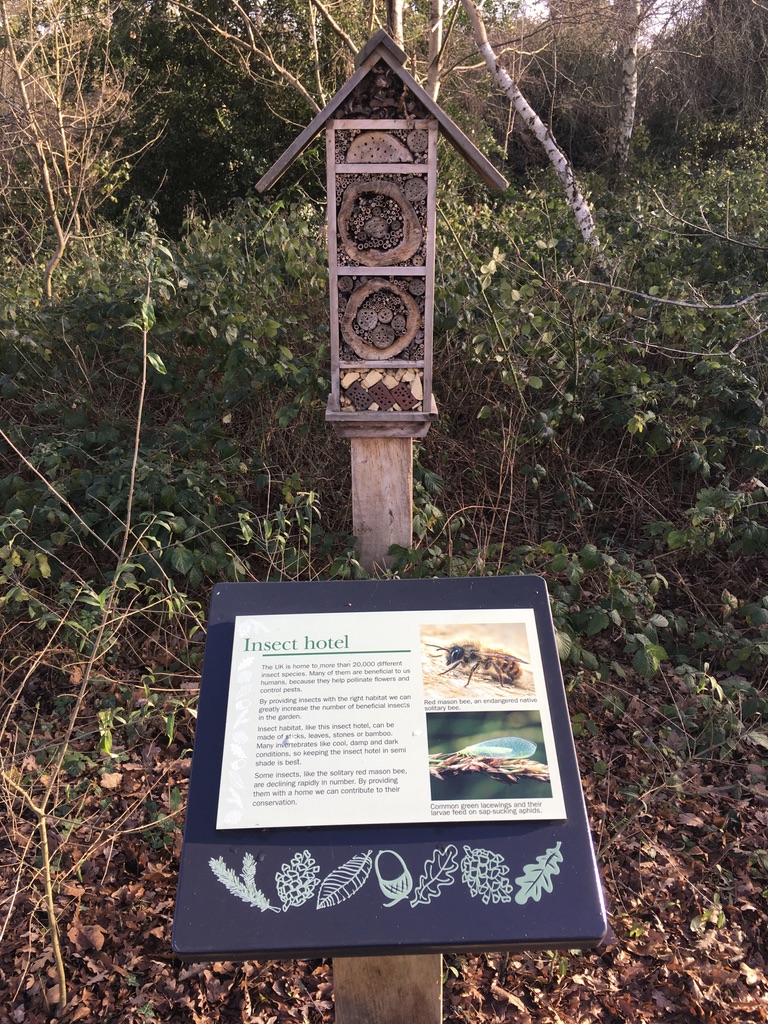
point(531, 120)
point(435, 47)
point(395, 20)
point(629, 15)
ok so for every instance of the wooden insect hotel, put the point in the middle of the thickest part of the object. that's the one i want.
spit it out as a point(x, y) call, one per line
point(381, 157)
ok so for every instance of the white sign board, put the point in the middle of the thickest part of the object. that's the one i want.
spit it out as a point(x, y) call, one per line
point(387, 717)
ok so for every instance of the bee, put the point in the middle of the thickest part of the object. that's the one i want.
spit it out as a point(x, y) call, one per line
point(492, 666)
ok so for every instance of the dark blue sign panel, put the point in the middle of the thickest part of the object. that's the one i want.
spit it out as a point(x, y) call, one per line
point(384, 767)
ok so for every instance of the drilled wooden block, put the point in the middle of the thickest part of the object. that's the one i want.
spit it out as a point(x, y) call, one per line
point(402, 395)
point(381, 394)
point(360, 397)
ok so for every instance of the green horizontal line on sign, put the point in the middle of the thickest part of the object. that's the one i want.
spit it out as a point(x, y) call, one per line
point(312, 654)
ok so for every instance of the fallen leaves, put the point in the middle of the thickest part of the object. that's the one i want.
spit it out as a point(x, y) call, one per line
point(682, 845)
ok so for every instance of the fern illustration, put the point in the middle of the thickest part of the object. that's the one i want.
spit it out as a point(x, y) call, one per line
point(438, 873)
point(243, 885)
point(536, 878)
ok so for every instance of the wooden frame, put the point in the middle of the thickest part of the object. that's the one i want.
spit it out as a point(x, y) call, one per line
point(407, 405)
point(400, 423)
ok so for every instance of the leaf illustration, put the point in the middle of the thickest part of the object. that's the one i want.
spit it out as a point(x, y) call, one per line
point(344, 881)
point(244, 885)
point(536, 878)
point(438, 872)
point(249, 872)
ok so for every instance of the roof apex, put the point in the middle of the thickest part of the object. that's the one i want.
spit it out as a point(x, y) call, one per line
point(380, 38)
point(381, 47)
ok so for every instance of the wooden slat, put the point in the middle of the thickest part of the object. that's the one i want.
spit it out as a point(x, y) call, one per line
point(383, 40)
point(300, 143)
point(382, 364)
point(381, 168)
point(385, 123)
point(429, 295)
point(382, 509)
point(389, 429)
point(351, 271)
point(377, 417)
point(333, 281)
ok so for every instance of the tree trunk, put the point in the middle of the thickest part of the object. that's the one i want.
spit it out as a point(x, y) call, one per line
point(629, 14)
point(435, 46)
point(395, 21)
point(541, 132)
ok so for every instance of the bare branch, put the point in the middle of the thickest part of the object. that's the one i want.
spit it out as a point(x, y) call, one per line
point(336, 27)
point(252, 46)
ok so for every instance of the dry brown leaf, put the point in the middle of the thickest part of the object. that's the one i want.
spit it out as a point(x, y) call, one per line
point(691, 819)
point(85, 936)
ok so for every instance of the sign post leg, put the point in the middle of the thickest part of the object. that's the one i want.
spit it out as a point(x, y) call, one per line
point(388, 989)
point(385, 989)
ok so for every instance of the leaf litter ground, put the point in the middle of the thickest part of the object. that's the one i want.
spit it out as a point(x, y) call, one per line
point(682, 844)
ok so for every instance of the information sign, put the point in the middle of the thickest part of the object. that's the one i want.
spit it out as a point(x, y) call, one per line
point(384, 767)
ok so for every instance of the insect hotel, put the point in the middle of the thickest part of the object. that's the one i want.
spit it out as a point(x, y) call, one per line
point(381, 158)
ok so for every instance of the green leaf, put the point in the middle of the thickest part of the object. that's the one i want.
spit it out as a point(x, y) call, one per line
point(564, 645)
point(535, 382)
point(590, 557)
point(574, 572)
point(599, 621)
point(676, 539)
point(755, 615)
point(156, 362)
point(147, 314)
point(182, 559)
point(43, 565)
point(647, 660)
point(590, 661)
point(760, 739)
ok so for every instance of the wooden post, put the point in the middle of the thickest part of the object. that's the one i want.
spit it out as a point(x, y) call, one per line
point(388, 989)
point(382, 497)
point(385, 989)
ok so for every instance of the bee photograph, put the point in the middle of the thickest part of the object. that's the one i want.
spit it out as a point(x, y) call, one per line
point(487, 756)
point(479, 661)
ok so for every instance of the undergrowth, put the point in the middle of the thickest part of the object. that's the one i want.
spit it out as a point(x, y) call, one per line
point(161, 430)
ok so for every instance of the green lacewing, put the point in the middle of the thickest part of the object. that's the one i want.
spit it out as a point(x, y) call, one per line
point(503, 746)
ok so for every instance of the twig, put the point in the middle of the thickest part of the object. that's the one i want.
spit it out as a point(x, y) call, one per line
point(674, 302)
point(40, 813)
point(706, 229)
point(502, 769)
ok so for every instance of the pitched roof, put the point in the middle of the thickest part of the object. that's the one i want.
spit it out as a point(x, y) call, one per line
point(382, 47)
